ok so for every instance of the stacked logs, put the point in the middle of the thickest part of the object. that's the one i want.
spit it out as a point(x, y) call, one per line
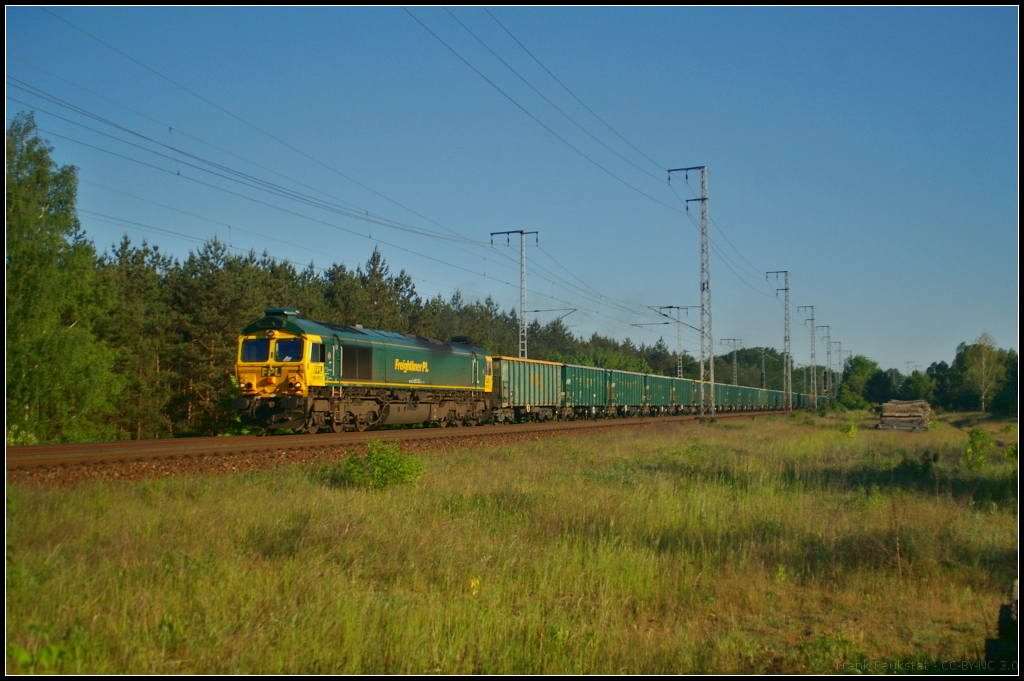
point(905, 415)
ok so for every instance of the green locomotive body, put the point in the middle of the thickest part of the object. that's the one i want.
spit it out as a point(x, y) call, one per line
point(297, 373)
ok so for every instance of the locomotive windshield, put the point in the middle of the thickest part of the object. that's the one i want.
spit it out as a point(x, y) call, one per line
point(288, 350)
point(255, 349)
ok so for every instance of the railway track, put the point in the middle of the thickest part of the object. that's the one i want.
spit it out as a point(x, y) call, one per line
point(29, 457)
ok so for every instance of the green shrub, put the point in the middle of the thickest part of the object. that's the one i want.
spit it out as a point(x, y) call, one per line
point(849, 430)
point(980, 443)
point(826, 408)
point(383, 466)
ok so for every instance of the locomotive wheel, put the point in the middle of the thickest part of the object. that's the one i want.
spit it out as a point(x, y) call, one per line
point(443, 423)
point(312, 427)
point(337, 426)
point(365, 421)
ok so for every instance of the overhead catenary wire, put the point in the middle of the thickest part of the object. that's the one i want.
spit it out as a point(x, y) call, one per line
point(356, 233)
point(537, 120)
point(605, 299)
point(230, 173)
point(363, 213)
point(61, 102)
point(391, 245)
point(260, 184)
point(566, 88)
point(546, 99)
point(244, 121)
point(308, 156)
point(634, 147)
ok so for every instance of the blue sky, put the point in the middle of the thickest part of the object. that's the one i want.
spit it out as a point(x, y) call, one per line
point(872, 152)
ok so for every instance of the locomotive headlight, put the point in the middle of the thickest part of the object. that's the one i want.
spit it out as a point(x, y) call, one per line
point(297, 385)
point(248, 386)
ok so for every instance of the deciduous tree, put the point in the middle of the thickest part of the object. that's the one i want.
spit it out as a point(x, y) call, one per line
point(59, 378)
point(983, 370)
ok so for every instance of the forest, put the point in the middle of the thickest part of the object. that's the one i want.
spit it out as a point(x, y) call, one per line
point(130, 343)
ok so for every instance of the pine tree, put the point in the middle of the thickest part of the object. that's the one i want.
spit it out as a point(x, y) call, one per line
point(140, 330)
point(213, 296)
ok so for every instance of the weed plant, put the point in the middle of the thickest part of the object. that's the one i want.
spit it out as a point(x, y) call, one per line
point(381, 467)
point(776, 547)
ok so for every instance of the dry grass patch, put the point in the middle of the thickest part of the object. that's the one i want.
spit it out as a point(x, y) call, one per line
point(768, 546)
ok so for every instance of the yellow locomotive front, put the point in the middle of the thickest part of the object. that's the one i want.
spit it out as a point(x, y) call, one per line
point(278, 372)
point(278, 363)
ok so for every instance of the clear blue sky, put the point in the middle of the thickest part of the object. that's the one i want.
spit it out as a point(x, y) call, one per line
point(872, 152)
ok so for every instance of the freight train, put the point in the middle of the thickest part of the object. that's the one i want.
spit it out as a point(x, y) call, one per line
point(298, 374)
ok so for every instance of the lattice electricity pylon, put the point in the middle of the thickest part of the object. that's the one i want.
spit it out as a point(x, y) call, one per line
point(707, 336)
point(522, 283)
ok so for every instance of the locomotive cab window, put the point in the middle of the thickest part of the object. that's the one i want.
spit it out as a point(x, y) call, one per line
point(255, 349)
point(317, 352)
point(288, 350)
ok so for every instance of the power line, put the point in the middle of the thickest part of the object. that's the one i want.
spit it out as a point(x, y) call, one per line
point(250, 179)
point(308, 156)
point(202, 141)
point(285, 210)
point(251, 125)
point(726, 260)
point(553, 105)
point(753, 270)
point(566, 88)
point(231, 174)
point(143, 227)
point(537, 120)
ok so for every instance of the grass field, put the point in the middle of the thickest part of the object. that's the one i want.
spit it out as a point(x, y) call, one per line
point(786, 544)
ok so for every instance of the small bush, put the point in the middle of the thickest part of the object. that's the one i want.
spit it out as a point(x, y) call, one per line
point(849, 430)
point(383, 466)
point(826, 408)
point(980, 443)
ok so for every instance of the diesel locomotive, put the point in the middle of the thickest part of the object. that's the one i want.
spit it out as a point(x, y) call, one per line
point(298, 374)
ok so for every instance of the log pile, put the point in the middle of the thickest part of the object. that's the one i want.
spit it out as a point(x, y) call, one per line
point(905, 415)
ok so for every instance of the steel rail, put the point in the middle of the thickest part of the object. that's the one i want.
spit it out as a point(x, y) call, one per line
point(23, 457)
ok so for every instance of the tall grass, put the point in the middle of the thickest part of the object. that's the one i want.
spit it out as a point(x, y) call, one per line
point(777, 546)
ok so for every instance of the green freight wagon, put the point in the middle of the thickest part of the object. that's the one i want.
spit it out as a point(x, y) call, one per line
point(586, 390)
point(659, 395)
point(670, 395)
point(721, 397)
point(526, 389)
point(625, 392)
point(685, 395)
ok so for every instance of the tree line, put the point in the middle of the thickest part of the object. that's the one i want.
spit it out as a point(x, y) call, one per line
point(132, 343)
point(982, 377)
